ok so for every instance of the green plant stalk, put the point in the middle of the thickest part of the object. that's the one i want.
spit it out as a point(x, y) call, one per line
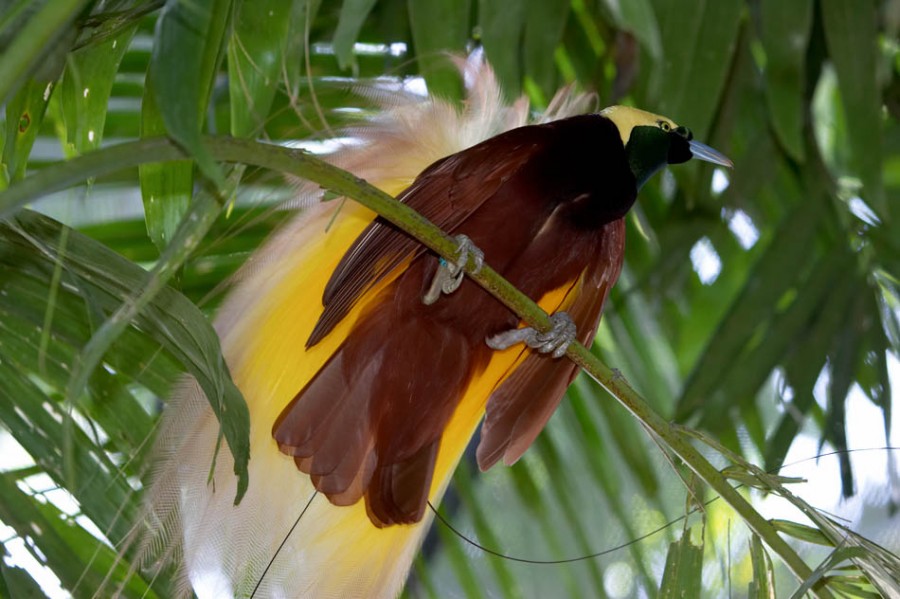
point(304, 165)
point(29, 44)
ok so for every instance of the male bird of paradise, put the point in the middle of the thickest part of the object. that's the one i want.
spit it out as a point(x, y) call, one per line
point(367, 371)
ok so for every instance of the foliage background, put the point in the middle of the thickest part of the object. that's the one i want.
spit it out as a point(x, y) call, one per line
point(755, 305)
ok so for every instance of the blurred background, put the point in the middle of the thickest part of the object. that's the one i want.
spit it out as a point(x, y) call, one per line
point(760, 306)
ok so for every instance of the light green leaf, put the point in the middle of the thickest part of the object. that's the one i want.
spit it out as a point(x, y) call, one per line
point(166, 187)
point(637, 17)
point(684, 565)
point(350, 22)
point(802, 532)
point(763, 584)
point(84, 94)
point(255, 55)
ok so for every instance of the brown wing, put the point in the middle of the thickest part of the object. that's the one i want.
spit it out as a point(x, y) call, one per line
point(446, 194)
point(523, 403)
point(370, 422)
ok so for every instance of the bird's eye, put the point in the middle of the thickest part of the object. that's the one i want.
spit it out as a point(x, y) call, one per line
point(665, 126)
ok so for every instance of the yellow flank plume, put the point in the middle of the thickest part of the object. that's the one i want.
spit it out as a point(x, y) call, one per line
point(263, 547)
point(265, 349)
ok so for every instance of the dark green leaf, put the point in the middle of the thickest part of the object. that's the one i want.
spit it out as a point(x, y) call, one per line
point(38, 50)
point(169, 318)
point(803, 368)
point(189, 41)
point(24, 115)
point(545, 23)
point(439, 27)
point(502, 24)
point(16, 582)
point(827, 291)
point(785, 32)
point(850, 29)
point(699, 40)
point(778, 267)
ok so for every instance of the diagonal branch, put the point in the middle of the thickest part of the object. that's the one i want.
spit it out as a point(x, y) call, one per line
point(302, 164)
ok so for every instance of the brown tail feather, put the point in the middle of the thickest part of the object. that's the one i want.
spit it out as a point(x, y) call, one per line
point(398, 492)
point(363, 426)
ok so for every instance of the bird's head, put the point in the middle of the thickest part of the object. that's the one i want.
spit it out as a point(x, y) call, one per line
point(652, 141)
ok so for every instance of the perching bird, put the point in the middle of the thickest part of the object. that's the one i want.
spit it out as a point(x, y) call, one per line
point(367, 375)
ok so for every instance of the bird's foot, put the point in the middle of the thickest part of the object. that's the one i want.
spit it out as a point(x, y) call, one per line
point(555, 341)
point(449, 275)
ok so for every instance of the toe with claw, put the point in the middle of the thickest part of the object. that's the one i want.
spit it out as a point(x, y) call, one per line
point(449, 275)
point(554, 342)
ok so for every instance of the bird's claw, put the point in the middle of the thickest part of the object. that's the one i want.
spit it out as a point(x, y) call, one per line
point(449, 275)
point(555, 341)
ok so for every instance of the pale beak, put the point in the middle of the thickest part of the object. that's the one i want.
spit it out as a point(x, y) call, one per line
point(705, 153)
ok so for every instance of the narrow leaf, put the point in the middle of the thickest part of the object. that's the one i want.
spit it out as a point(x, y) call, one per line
point(24, 115)
point(785, 29)
point(350, 22)
point(502, 24)
point(545, 23)
point(763, 584)
point(802, 532)
point(169, 318)
point(638, 17)
point(81, 561)
point(189, 39)
point(39, 49)
point(85, 90)
point(255, 54)
point(684, 565)
point(699, 39)
point(852, 36)
point(774, 274)
point(439, 27)
point(166, 187)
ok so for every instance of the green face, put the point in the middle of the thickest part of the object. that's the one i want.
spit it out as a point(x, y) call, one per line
point(652, 147)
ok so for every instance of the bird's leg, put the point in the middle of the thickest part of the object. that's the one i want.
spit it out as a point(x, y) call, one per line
point(449, 275)
point(556, 340)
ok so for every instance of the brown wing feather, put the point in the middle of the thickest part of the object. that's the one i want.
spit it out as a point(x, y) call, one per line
point(368, 424)
point(521, 406)
point(446, 193)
